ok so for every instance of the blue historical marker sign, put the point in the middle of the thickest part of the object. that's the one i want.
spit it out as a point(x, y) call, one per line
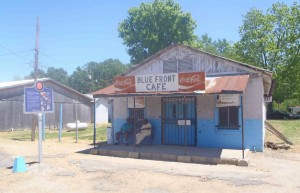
point(38, 99)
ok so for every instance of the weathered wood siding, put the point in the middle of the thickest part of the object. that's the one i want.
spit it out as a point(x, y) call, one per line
point(200, 62)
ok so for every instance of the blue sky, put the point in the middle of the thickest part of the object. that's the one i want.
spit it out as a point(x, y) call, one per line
point(73, 33)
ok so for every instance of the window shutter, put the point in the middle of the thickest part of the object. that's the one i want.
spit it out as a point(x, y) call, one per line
point(185, 65)
point(169, 66)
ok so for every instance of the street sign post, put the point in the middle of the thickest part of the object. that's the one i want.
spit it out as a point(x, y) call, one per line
point(38, 100)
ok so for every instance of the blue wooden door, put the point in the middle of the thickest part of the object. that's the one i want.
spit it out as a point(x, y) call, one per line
point(175, 111)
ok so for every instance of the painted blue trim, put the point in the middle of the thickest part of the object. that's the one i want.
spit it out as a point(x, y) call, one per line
point(60, 122)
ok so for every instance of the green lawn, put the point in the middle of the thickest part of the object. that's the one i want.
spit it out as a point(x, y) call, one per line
point(87, 134)
point(289, 128)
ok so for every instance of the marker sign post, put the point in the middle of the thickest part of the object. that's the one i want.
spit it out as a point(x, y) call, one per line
point(38, 100)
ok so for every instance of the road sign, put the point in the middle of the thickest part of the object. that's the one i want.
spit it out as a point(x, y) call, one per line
point(38, 99)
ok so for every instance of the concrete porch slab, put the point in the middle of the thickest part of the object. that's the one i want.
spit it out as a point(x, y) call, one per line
point(175, 153)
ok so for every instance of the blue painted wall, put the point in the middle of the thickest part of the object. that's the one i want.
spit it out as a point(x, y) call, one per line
point(156, 123)
point(210, 136)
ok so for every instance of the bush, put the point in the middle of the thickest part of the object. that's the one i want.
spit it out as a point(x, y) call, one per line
point(286, 104)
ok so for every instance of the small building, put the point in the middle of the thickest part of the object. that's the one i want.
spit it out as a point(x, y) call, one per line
point(103, 110)
point(294, 110)
point(12, 110)
point(193, 98)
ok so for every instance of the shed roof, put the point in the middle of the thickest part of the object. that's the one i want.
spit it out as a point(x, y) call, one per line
point(13, 84)
point(213, 85)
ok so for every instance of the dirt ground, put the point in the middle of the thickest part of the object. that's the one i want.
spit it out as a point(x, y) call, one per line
point(65, 170)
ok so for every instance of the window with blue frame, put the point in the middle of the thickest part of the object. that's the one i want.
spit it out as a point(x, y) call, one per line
point(228, 118)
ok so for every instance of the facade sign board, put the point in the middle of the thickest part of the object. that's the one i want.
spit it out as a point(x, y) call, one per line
point(183, 82)
point(38, 99)
point(227, 100)
point(183, 122)
point(157, 83)
point(268, 99)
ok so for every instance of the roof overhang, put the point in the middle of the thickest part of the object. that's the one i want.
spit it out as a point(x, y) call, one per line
point(213, 85)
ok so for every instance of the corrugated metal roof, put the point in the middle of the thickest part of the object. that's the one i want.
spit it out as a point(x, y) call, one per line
point(18, 83)
point(213, 85)
point(12, 84)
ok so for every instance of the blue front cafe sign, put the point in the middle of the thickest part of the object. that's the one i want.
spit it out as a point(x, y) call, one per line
point(38, 99)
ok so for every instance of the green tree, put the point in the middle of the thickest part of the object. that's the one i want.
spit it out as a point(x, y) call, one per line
point(154, 26)
point(93, 76)
point(272, 41)
point(102, 74)
point(41, 74)
point(221, 47)
point(58, 74)
point(79, 80)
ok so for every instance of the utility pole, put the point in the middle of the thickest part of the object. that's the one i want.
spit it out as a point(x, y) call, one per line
point(36, 54)
point(36, 68)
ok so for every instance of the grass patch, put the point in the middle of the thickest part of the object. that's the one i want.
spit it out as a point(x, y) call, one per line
point(289, 128)
point(87, 134)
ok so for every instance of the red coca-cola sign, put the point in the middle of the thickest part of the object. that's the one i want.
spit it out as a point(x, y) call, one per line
point(191, 81)
point(124, 84)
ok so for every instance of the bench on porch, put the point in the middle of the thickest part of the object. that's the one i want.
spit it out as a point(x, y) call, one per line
point(131, 139)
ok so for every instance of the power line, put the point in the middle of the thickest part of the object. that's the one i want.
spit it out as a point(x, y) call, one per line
point(53, 58)
point(15, 53)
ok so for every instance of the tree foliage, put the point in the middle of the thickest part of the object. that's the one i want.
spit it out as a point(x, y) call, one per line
point(94, 76)
point(154, 26)
point(57, 74)
point(79, 80)
point(220, 47)
point(272, 40)
point(40, 74)
point(86, 79)
point(103, 73)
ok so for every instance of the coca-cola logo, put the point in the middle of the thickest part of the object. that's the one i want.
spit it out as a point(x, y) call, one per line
point(190, 79)
point(125, 82)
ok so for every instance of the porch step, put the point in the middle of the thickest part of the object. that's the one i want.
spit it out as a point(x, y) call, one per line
point(171, 157)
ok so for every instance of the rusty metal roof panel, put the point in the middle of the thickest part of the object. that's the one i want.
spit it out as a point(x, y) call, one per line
point(226, 84)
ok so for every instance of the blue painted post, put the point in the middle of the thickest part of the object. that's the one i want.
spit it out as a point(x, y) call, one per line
point(43, 126)
point(94, 123)
point(60, 122)
point(40, 137)
point(243, 141)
